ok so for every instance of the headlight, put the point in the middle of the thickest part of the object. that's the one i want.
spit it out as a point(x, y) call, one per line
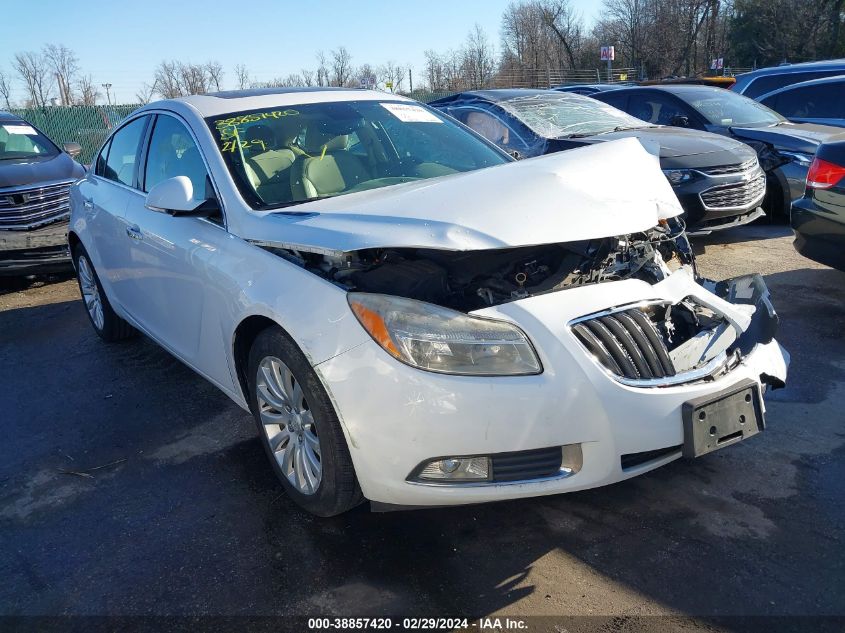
point(437, 339)
point(677, 176)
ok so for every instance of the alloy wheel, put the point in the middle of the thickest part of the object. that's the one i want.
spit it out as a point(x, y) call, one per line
point(90, 292)
point(288, 424)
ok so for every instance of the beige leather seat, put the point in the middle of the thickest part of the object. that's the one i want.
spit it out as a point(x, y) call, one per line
point(329, 169)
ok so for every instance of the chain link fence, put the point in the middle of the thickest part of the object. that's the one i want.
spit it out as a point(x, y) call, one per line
point(86, 125)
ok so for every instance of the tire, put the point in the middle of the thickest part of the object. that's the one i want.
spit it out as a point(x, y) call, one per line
point(292, 410)
point(106, 323)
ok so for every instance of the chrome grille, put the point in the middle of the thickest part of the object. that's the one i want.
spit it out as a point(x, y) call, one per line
point(627, 344)
point(735, 196)
point(25, 208)
point(730, 169)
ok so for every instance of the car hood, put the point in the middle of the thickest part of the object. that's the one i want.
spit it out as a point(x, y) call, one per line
point(608, 189)
point(16, 173)
point(797, 137)
point(680, 142)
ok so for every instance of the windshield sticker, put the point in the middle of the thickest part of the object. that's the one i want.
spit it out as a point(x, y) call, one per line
point(410, 113)
point(231, 132)
point(21, 129)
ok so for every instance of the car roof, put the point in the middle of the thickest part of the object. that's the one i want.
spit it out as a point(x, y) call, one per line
point(8, 116)
point(497, 95)
point(599, 87)
point(217, 103)
point(801, 84)
point(793, 68)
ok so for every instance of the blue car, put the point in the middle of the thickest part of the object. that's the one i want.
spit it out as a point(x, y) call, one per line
point(765, 80)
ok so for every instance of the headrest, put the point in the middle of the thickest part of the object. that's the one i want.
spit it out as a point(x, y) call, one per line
point(315, 140)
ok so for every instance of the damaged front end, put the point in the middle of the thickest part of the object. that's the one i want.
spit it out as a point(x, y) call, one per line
point(661, 343)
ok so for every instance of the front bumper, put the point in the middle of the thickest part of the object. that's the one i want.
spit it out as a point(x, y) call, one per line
point(701, 217)
point(410, 416)
point(40, 250)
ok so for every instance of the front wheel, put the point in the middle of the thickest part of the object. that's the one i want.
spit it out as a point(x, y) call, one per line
point(299, 428)
point(107, 324)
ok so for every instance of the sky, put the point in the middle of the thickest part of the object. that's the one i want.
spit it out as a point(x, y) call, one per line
point(122, 43)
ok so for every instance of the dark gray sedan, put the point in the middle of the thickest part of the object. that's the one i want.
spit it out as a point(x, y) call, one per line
point(785, 149)
point(717, 180)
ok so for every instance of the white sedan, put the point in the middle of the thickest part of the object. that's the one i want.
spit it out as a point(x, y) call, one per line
point(412, 317)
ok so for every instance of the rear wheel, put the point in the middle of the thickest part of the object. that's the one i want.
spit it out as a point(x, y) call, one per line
point(299, 428)
point(107, 324)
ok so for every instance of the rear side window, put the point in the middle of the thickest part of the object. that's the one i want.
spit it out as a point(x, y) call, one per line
point(123, 152)
point(824, 101)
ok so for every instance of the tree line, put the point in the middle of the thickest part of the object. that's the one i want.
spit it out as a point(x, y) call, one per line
point(657, 38)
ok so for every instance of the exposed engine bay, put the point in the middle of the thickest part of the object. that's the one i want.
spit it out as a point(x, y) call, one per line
point(471, 280)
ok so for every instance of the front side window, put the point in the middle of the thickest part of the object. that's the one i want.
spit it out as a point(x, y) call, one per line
point(173, 152)
point(123, 152)
point(287, 155)
point(560, 115)
point(722, 107)
point(20, 141)
point(655, 108)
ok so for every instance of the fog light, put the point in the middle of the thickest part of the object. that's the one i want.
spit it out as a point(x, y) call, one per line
point(456, 469)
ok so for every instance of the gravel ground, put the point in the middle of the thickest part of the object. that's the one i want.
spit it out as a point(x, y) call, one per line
point(182, 515)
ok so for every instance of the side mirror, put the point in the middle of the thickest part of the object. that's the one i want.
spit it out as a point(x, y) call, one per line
point(72, 149)
point(679, 121)
point(176, 197)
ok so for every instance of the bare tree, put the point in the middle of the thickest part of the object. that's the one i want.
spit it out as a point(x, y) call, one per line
point(167, 80)
point(478, 59)
point(341, 71)
point(194, 79)
point(393, 74)
point(65, 65)
point(308, 77)
point(215, 73)
point(88, 92)
point(145, 94)
point(322, 69)
point(5, 89)
point(242, 75)
point(34, 72)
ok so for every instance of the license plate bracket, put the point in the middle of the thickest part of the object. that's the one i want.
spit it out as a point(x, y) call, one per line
point(715, 421)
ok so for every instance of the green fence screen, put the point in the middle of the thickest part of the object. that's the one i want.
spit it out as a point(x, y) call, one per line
point(86, 125)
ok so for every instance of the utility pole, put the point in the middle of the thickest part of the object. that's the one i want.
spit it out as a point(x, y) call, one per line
point(411, 78)
point(108, 95)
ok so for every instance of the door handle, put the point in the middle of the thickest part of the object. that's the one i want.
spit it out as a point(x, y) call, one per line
point(134, 231)
point(88, 204)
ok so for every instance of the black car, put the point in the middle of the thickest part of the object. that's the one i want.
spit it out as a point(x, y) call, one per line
point(818, 218)
point(35, 177)
point(784, 149)
point(717, 180)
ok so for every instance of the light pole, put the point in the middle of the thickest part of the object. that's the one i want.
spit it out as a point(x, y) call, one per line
point(108, 95)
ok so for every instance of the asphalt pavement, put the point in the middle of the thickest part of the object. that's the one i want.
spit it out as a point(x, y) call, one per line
point(129, 486)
